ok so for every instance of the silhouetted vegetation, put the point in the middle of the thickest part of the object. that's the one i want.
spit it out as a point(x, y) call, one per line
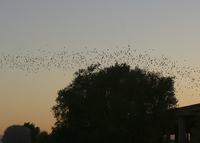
point(114, 104)
point(36, 135)
point(33, 130)
point(43, 137)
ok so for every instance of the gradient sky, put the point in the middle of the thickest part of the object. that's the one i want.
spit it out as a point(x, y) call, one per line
point(42, 28)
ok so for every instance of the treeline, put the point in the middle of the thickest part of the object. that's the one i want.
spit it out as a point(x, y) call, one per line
point(38, 136)
point(114, 104)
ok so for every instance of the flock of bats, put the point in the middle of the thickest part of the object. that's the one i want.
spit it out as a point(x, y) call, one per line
point(40, 61)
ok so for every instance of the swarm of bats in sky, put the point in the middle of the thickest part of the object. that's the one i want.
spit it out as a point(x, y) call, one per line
point(40, 61)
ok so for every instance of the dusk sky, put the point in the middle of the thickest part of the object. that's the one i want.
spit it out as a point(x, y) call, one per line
point(38, 37)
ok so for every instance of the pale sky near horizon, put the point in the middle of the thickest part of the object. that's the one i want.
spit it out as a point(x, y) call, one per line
point(34, 32)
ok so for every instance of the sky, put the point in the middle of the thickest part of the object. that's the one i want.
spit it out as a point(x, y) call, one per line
point(43, 42)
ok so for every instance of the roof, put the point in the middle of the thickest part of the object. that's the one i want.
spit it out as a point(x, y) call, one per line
point(189, 110)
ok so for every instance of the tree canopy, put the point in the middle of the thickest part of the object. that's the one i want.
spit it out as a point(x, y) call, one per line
point(37, 136)
point(33, 130)
point(115, 104)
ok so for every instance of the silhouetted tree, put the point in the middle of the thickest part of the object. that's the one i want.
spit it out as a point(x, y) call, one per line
point(37, 136)
point(33, 130)
point(115, 104)
point(43, 137)
point(60, 135)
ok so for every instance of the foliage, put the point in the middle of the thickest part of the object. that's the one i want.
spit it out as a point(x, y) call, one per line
point(43, 137)
point(37, 136)
point(33, 130)
point(115, 104)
